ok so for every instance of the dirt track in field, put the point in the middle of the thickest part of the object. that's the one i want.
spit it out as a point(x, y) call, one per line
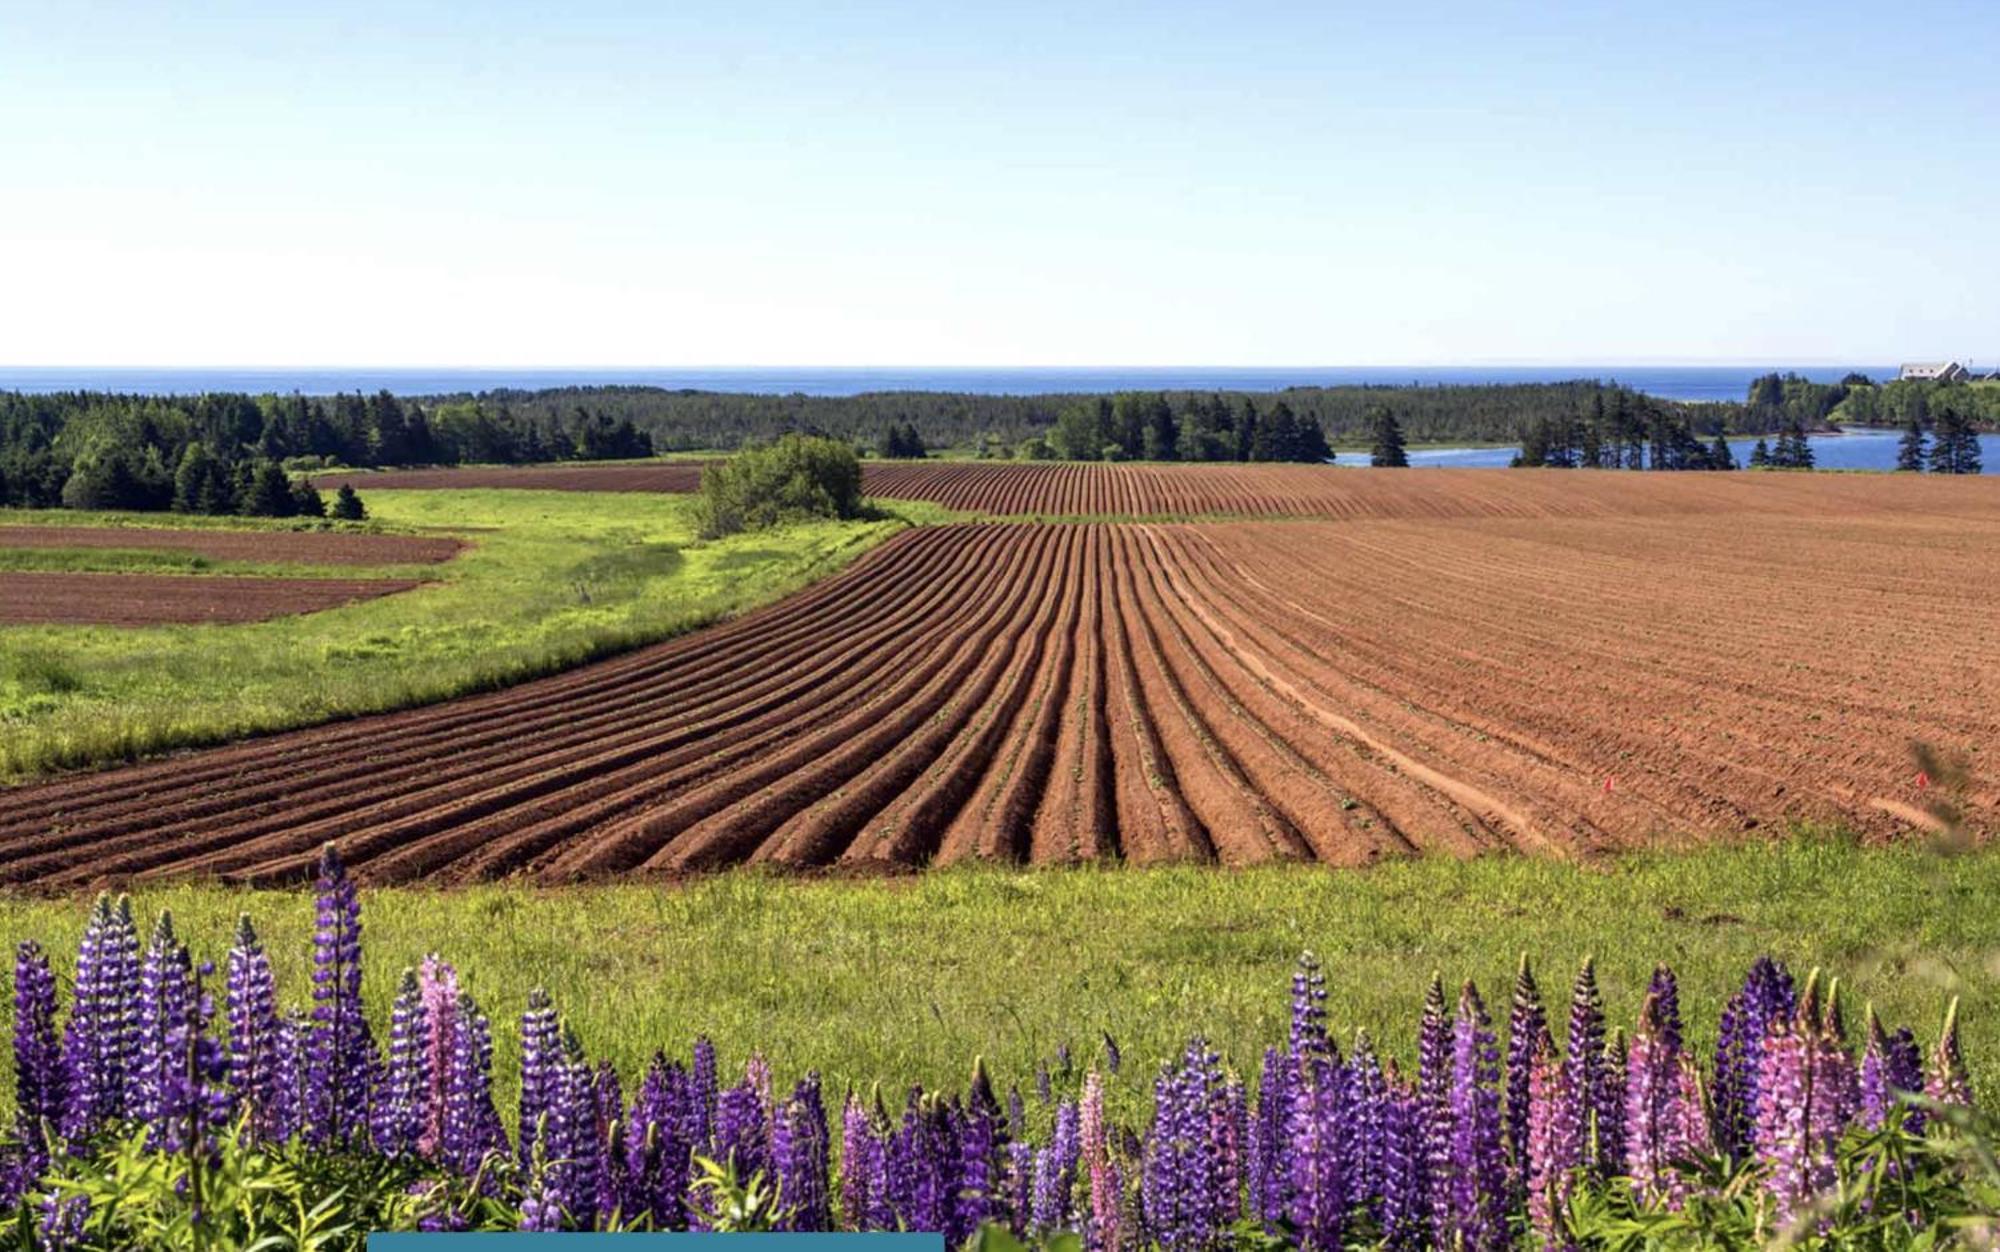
point(1071, 490)
point(63, 599)
point(303, 547)
point(1241, 692)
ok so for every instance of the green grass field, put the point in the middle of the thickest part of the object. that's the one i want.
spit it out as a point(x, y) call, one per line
point(552, 579)
point(908, 979)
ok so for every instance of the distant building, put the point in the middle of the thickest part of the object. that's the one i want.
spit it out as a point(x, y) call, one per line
point(1934, 372)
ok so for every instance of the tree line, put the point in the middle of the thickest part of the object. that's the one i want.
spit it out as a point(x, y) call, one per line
point(229, 453)
point(1628, 431)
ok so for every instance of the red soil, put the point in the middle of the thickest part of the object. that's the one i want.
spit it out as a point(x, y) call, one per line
point(34, 599)
point(304, 547)
point(1240, 692)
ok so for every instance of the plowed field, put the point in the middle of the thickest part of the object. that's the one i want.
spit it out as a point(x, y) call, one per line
point(1233, 691)
point(1051, 489)
point(38, 599)
point(305, 547)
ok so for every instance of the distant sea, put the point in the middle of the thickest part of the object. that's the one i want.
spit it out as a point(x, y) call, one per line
point(1672, 382)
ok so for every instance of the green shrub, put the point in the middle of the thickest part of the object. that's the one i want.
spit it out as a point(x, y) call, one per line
point(798, 478)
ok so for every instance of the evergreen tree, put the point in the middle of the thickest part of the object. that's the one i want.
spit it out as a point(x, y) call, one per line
point(201, 483)
point(306, 500)
point(1389, 450)
point(270, 492)
point(1910, 449)
point(103, 479)
point(1313, 447)
point(1719, 455)
point(347, 506)
point(1760, 456)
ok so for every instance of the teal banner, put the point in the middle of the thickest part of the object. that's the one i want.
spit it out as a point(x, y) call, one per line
point(517, 1242)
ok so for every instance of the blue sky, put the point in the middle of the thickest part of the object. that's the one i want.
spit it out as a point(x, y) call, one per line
point(885, 183)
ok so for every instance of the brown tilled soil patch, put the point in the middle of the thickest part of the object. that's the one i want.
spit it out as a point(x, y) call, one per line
point(36, 599)
point(1243, 692)
point(305, 547)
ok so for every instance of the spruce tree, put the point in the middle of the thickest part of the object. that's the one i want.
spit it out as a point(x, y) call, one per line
point(1760, 456)
point(270, 492)
point(1719, 455)
point(1389, 450)
point(306, 500)
point(1910, 449)
point(347, 506)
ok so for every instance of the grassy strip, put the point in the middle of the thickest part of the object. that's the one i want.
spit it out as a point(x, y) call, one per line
point(908, 979)
point(552, 579)
point(157, 561)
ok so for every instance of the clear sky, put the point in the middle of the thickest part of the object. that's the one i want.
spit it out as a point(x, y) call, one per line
point(739, 182)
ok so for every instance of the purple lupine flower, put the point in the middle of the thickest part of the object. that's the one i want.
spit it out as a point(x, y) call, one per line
point(256, 1059)
point(541, 1063)
point(1765, 1000)
point(288, 1105)
point(470, 1131)
point(1308, 1037)
point(1363, 1132)
point(1102, 1231)
point(1434, 1060)
point(1113, 1058)
point(1892, 1066)
point(799, 1151)
point(41, 1084)
point(1584, 1063)
point(974, 1174)
point(1474, 1190)
point(398, 1120)
point(742, 1129)
point(1020, 1186)
point(572, 1145)
point(1190, 1180)
point(706, 1091)
point(923, 1161)
point(1055, 1172)
point(1317, 1142)
point(1609, 1108)
point(1802, 1083)
point(62, 1221)
point(1667, 989)
point(1948, 1081)
point(1045, 1087)
point(1555, 1147)
point(1405, 1186)
point(1527, 1026)
point(102, 1036)
point(608, 1130)
point(437, 989)
point(154, 1086)
point(1270, 1142)
point(862, 1184)
point(1657, 1121)
point(340, 1056)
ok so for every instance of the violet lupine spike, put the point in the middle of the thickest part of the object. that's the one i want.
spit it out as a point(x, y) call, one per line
point(155, 1086)
point(399, 1102)
point(1308, 1037)
point(706, 1090)
point(1055, 1173)
point(1948, 1081)
point(574, 1150)
point(1765, 1000)
point(256, 1045)
point(974, 1174)
point(1527, 1027)
point(1270, 1142)
point(1102, 1232)
point(1609, 1132)
point(1583, 1060)
point(1656, 1119)
point(541, 1059)
point(613, 1187)
point(340, 1052)
point(470, 1132)
point(1405, 1207)
point(742, 1130)
point(1555, 1148)
point(1804, 1080)
point(923, 1162)
point(101, 1038)
point(289, 1105)
point(41, 1083)
point(1475, 1191)
point(1892, 1066)
point(437, 987)
point(799, 1152)
point(861, 1161)
point(1363, 1132)
point(1317, 1150)
point(1667, 989)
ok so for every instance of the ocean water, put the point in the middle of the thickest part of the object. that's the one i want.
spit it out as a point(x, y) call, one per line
point(1859, 449)
point(1696, 382)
